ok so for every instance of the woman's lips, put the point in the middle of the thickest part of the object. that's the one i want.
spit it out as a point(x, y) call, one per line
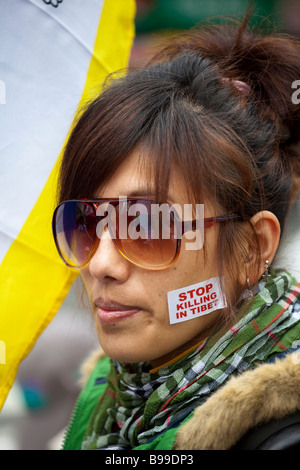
point(110, 312)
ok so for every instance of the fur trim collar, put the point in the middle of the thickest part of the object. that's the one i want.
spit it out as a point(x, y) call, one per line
point(270, 391)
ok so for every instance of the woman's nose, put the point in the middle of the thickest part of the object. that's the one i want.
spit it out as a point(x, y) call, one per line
point(107, 261)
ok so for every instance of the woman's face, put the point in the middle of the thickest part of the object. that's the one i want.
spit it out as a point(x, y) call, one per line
point(114, 285)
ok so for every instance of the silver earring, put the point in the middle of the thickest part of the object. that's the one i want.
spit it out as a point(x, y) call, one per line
point(266, 273)
point(248, 292)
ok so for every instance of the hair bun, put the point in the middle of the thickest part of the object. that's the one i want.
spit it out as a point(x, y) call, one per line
point(267, 64)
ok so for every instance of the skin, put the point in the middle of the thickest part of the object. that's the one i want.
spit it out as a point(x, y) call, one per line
point(146, 334)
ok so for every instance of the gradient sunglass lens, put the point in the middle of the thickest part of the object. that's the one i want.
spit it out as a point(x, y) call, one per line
point(75, 232)
point(148, 244)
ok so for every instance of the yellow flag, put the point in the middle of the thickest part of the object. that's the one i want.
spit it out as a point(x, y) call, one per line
point(54, 55)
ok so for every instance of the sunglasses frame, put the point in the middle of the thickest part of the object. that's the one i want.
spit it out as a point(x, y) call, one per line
point(209, 222)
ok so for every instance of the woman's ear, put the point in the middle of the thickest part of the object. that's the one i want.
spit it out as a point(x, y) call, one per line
point(267, 229)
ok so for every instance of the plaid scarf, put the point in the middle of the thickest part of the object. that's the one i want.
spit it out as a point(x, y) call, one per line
point(138, 405)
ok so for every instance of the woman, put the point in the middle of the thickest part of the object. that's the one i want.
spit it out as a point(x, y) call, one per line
point(189, 329)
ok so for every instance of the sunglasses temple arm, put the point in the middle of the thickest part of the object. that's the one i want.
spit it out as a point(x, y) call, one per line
point(210, 221)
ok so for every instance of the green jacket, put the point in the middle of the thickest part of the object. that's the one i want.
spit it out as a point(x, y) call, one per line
point(85, 404)
point(231, 419)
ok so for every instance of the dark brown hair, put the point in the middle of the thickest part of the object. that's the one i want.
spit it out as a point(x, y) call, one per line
point(236, 151)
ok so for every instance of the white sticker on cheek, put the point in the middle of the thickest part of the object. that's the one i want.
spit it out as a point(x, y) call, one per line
point(196, 300)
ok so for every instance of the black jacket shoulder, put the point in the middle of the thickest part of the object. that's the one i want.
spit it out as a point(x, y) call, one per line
point(279, 434)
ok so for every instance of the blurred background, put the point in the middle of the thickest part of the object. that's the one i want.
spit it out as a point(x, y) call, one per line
point(40, 403)
point(157, 18)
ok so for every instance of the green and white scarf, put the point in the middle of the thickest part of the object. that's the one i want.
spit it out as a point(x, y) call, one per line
point(138, 405)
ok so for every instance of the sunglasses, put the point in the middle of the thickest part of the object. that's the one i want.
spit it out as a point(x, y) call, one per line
point(146, 241)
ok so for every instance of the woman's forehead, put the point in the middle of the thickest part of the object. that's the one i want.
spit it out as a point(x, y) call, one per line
point(136, 177)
